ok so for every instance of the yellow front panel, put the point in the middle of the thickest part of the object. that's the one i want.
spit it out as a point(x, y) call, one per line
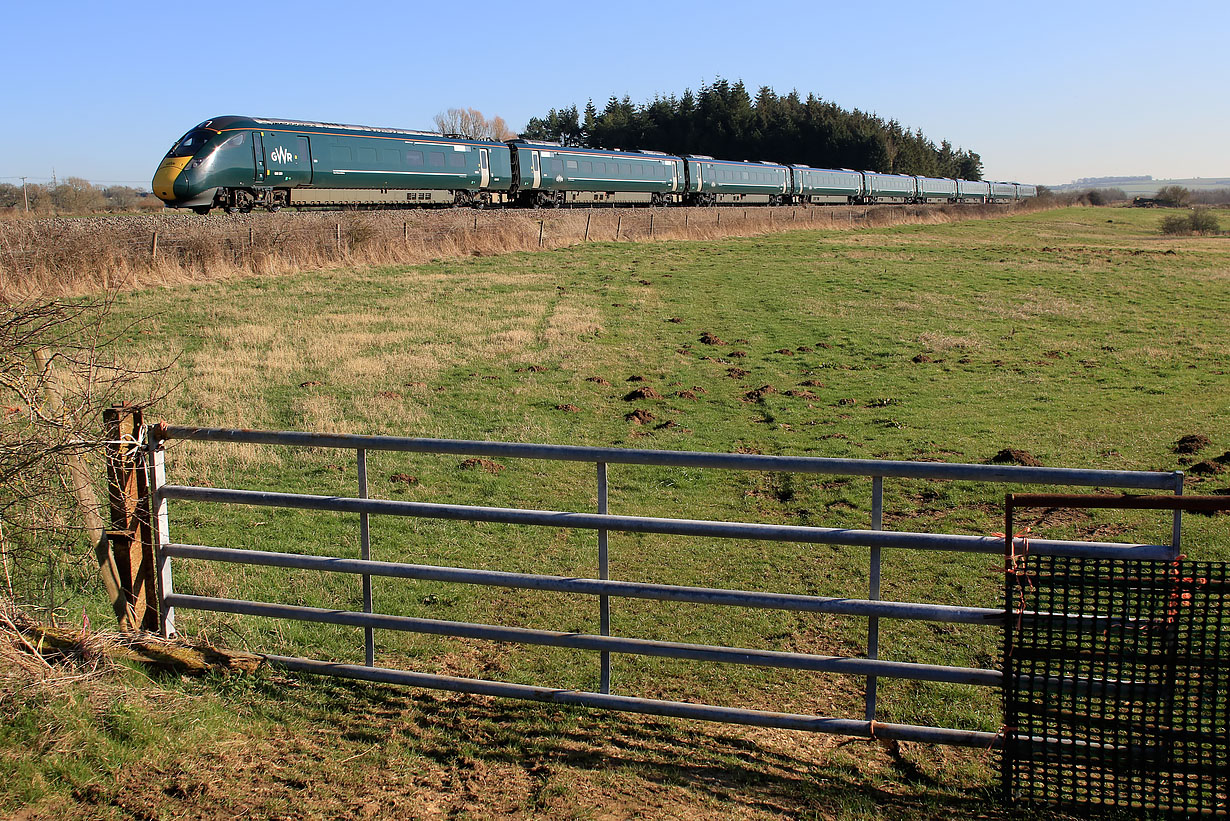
point(164, 177)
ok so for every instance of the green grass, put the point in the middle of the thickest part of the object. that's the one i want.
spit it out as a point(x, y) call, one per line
point(1079, 335)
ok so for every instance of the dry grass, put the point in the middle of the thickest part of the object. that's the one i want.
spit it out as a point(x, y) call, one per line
point(70, 257)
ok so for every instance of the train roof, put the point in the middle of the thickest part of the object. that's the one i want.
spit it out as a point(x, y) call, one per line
point(233, 122)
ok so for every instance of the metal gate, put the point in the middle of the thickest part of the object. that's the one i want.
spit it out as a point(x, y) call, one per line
point(874, 539)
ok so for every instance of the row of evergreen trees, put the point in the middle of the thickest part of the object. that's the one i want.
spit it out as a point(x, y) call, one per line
point(723, 121)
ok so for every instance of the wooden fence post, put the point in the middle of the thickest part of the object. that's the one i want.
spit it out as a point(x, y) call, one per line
point(153, 247)
point(619, 221)
point(542, 224)
point(651, 223)
point(337, 233)
point(131, 539)
point(588, 215)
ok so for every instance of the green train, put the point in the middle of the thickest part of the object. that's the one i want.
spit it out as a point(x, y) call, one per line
point(240, 163)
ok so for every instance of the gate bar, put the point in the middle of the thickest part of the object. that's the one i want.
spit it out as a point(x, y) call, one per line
point(677, 527)
point(582, 641)
point(953, 614)
point(1155, 480)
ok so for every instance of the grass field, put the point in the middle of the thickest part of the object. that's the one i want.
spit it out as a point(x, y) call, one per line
point(1079, 335)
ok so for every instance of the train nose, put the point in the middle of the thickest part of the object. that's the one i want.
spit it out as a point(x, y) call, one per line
point(165, 176)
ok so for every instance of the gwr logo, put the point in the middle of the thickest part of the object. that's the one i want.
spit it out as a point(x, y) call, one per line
point(281, 155)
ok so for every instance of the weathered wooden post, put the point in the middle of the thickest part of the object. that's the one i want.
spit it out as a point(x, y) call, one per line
point(130, 539)
point(541, 227)
point(337, 233)
point(619, 221)
point(588, 215)
point(153, 248)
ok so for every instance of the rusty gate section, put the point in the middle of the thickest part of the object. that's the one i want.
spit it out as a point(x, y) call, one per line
point(1115, 683)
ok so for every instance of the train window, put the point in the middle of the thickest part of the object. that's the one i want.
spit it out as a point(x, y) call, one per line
point(435, 159)
point(367, 156)
point(456, 160)
point(599, 168)
point(304, 153)
point(625, 168)
point(587, 168)
point(191, 143)
point(571, 165)
point(340, 155)
point(414, 159)
point(392, 157)
point(746, 176)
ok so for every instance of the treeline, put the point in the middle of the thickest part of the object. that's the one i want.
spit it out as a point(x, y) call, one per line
point(723, 120)
point(74, 196)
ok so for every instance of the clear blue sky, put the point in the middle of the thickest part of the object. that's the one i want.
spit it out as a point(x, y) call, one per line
point(1045, 91)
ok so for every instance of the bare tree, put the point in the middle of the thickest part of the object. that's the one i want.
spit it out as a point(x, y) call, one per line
point(470, 122)
point(58, 371)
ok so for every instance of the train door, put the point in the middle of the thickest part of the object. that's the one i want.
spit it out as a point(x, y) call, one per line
point(536, 168)
point(288, 159)
point(258, 153)
point(484, 167)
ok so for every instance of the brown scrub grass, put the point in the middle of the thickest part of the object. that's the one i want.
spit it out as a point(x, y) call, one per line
point(77, 256)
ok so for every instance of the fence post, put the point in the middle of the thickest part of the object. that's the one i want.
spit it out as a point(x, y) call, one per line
point(588, 215)
point(405, 233)
point(161, 522)
point(337, 234)
point(541, 227)
point(130, 539)
point(153, 247)
point(604, 604)
point(685, 220)
point(1176, 535)
point(719, 218)
point(365, 553)
point(619, 221)
point(651, 223)
point(873, 623)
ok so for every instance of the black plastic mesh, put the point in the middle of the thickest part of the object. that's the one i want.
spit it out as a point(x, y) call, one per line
point(1115, 686)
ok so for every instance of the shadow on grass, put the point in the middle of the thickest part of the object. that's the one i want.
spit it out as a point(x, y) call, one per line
point(746, 770)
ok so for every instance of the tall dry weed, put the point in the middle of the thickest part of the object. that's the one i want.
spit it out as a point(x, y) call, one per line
point(72, 257)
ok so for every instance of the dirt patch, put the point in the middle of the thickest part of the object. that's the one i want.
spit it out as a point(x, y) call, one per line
point(389, 395)
point(532, 369)
point(1191, 443)
point(784, 352)
point(804, 349)
point(311, 383)
point(484, 464)
point(811, 383)
point(404, 479)
point(569, 407)
point(671, 424)
point(644, 282)
point(736, 373)
point(689, 395)
point(642, 393)
point(635, 378)
point(710, 339)
point(597, 380)
point(803, 394)
point(416, 385)
point(737, 354)
point(758, 394)
point(847, 401)
point(1209, 467)
point(675, 320)
point(639, 417)
point(1012, 456)
point(921, 358)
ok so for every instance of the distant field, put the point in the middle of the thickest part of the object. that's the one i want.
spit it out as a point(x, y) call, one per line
point(1079, 335)
point(1151, 187)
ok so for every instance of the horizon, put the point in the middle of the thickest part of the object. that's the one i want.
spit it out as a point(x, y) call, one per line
point(1044, 104)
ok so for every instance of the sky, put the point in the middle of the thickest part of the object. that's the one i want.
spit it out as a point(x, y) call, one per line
point(1045, 91)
